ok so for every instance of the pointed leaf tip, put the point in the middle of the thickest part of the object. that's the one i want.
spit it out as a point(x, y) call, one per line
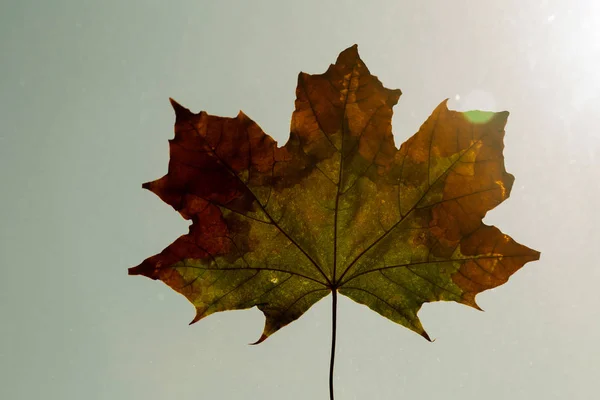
point(145, 268)
point(469, 300)
point(262, 338)
point(476, 306)
point(426, 336)
point(180, 111)
point(348, 56)
point(197, 317)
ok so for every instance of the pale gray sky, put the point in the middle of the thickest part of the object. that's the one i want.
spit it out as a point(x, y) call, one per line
point(85, 119)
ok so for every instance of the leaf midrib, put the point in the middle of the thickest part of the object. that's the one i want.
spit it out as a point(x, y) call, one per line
point(338, 194)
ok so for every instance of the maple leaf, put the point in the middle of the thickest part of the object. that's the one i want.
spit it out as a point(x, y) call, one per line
point(338, 208)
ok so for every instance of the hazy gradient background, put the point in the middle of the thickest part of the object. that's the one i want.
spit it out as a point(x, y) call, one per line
point(85, 119)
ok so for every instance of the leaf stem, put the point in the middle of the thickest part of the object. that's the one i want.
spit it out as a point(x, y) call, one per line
point(333, 334)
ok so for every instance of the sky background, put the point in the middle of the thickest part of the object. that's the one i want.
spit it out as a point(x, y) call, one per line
point(85, 119)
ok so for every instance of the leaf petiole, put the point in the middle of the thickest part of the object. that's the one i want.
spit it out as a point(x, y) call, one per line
point(333, 334)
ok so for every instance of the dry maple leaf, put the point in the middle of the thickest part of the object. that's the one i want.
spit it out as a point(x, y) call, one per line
point(338, 208)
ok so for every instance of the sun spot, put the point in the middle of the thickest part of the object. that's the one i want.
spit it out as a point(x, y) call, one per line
point(477, 116)
point(274, 280)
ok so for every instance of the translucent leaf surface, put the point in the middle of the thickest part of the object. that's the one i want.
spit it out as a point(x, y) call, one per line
point(338, 207)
